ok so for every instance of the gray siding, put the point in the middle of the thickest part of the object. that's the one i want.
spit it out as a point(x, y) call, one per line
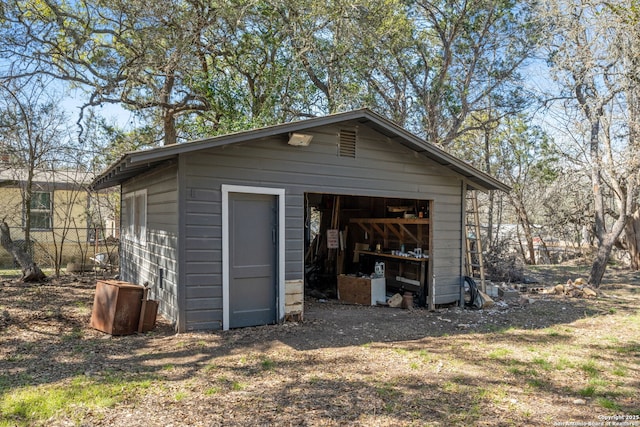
point(158, 257)
point(382, 168)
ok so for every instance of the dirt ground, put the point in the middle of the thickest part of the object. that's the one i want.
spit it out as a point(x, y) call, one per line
point(541, 360)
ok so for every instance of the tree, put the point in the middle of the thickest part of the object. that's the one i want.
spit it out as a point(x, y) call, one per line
point(461, 59)
point(527, 162)
point(256, 81)
point(31, 128)
point(323, 41)
point(585, 60)
point(627, 42)
point(137, 53)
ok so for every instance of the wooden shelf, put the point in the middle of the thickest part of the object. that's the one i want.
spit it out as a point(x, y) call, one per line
point(406, 230)
point(398, 257)
point(389, 220)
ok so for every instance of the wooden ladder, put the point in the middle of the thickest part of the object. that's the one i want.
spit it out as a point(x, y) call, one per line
point(474, 264)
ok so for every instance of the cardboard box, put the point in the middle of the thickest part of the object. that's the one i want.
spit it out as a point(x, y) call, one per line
point(361, 290)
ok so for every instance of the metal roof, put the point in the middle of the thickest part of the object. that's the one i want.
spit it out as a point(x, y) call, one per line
point(137, 162)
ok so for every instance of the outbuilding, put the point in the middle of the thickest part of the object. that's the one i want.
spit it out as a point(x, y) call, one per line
point(226, 230)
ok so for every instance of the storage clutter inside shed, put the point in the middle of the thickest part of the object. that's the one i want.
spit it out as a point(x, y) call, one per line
point(365, 250)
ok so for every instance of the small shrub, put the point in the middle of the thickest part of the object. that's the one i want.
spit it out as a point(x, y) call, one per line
point(501, 265)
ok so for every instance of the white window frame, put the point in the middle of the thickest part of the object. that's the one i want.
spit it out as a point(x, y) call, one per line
point(48, 211)
point(136, 216)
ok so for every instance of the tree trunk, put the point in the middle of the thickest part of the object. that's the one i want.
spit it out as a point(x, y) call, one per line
point(523, 219)
point(30, 271)
point(604, 251)
point(632, 240)
point(169, 124)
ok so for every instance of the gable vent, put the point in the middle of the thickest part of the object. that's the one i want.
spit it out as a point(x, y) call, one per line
point(347, 144)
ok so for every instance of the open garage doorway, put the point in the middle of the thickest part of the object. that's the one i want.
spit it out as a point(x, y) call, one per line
point(353, 241)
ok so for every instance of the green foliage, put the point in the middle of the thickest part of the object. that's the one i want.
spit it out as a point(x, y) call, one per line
point(204, 68)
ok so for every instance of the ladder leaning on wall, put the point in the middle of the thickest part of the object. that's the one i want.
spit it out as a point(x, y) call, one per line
point(474, 263)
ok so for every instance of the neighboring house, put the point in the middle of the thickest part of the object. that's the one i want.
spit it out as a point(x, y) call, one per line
point(218, 227)
point(61, 214)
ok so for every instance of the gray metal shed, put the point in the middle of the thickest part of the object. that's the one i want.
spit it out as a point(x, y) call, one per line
point(219, 227)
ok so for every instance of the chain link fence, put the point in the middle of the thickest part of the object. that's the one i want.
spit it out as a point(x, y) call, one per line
point(75, 249)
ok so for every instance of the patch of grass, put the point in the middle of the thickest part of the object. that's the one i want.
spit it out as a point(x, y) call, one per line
point(608, 404)
point(481, 393)
point(211, 391)
point(414, 366)
point(543, 363)
point(268, 364)
point(401, 351)
point(500, 353)
point(598, 382)
point(314, 380)
point(210, 367)
point(426, 356)
point(525, 372)
point(633, 348)
point(451, 387)
point(16, 272)
point(237, 386)
point(15, 357)
point(535, 383)
point(590, 368)
point(587, 391)
point(465, 416)
point(497, 394)
point(4, 383)
point(620, 371)
point(460, 379)
point(389, 407)
point(563, 363)
point(168, 367)
point(179, 396)
point(76, 334)
point(387, 391)
point(80, 304)
point(34, 404)
point(515, 371)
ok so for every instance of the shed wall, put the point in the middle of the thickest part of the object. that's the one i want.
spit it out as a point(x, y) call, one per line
point(382, 168)
point(155, 261)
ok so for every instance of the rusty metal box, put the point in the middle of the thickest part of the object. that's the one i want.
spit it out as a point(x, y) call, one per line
point(116, 307)
point(150, 316)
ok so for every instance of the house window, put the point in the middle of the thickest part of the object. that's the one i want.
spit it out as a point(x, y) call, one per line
point(135, 216)
point(41, 211)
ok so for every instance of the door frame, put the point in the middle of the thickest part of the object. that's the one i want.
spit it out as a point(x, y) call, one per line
point(280, 255)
